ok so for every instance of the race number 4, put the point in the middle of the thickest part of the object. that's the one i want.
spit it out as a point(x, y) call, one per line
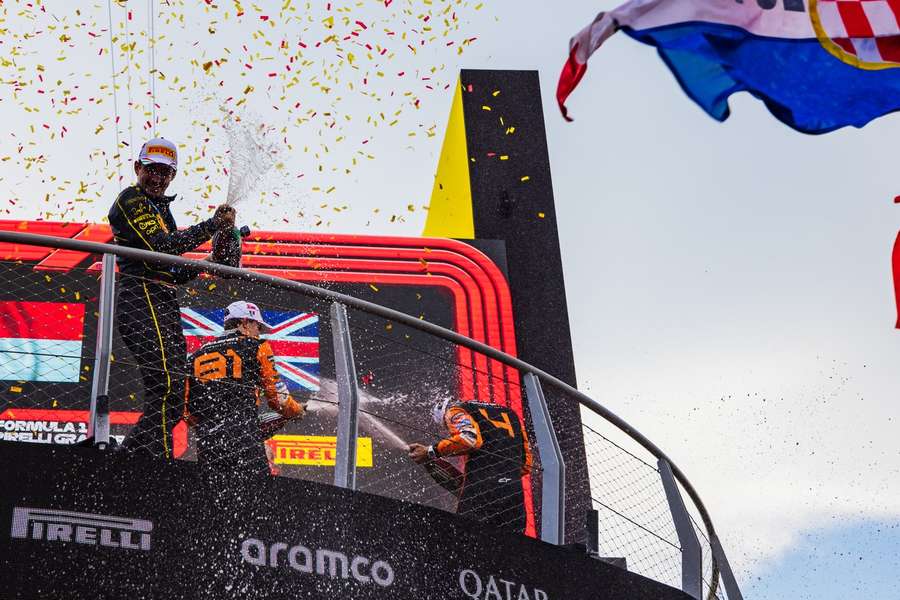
point(504, 424)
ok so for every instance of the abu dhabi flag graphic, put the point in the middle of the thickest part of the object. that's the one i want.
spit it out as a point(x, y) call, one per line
point(41, 341)
point(294, 339)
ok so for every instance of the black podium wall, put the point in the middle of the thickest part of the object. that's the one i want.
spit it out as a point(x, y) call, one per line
point(78, 523)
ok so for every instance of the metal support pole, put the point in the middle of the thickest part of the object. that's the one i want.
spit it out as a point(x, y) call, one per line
point(553, 492)
point(691, 555)
point(593, 533)
point(731, 585)
point(98, 422)
point(348, 399)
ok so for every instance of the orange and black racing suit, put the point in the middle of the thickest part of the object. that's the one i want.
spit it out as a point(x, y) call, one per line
point(147, 310)
point(229, 378)
point(497, 456)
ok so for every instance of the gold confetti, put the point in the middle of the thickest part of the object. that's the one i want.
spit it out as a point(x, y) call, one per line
point(323, 86)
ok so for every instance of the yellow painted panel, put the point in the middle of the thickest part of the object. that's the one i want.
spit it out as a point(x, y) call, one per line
point(316, 450)
point(450, 209)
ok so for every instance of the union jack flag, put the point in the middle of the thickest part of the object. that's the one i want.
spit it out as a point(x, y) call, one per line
point(294, 339)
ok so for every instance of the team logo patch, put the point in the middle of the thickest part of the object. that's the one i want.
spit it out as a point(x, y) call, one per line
point(862, 33)
point(316, 450)
point(162, 150)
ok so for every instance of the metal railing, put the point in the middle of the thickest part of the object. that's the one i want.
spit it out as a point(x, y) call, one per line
point(633, 496)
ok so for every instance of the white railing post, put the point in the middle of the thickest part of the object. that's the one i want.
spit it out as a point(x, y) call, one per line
point(348, 399)
point(691, 554)
point(553, 488)
point(98, 422)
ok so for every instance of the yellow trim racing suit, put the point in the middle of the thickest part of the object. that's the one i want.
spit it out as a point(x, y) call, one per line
point(148, 314)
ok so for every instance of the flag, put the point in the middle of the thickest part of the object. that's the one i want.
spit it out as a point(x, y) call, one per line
point(818, 65)
point(41, 341)
point(895, 268)
point(294, 339)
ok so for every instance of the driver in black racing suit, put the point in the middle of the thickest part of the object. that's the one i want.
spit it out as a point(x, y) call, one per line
point(147, 309)
point(497, 455)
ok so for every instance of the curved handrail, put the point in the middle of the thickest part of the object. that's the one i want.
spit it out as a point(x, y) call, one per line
point(31, 239)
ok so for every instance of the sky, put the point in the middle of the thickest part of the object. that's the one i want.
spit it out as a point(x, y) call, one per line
point(738, 308)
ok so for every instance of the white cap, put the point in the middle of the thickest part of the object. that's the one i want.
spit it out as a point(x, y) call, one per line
point(246, 310)
point(159, 150)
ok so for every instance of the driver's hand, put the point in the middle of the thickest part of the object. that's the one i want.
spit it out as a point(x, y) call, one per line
point(224, 217)
point(418, 453)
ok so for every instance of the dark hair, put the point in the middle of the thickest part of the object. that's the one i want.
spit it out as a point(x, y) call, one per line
point(232, 324)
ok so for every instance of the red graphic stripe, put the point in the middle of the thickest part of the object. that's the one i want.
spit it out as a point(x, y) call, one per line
point(65, 416)
point(64, 260)
point(42, 320)
point(36, 253)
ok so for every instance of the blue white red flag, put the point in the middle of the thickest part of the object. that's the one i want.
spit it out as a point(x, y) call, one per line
point(294, 339)
point(818, 65)
point(41, 341)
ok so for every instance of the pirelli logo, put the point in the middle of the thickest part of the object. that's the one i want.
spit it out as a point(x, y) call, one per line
point(167, 152)
point(81, 528)
point(316, 450)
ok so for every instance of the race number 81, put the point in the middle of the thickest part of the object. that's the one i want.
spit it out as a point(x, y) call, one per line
point(215, 365)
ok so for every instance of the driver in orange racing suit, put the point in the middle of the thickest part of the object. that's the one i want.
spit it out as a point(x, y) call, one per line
point(497, 455)
point(228, 376)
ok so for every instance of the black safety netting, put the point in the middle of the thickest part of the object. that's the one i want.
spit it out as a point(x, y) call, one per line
point(413, 388)
point(48, 319)
point(185, 384)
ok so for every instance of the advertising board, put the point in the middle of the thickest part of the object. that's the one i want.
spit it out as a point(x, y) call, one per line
point(64, 535)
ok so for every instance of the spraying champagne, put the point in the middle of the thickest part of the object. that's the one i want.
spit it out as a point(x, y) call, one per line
point(227, 246)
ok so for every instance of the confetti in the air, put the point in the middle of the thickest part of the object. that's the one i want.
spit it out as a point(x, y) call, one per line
point(328, 87)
